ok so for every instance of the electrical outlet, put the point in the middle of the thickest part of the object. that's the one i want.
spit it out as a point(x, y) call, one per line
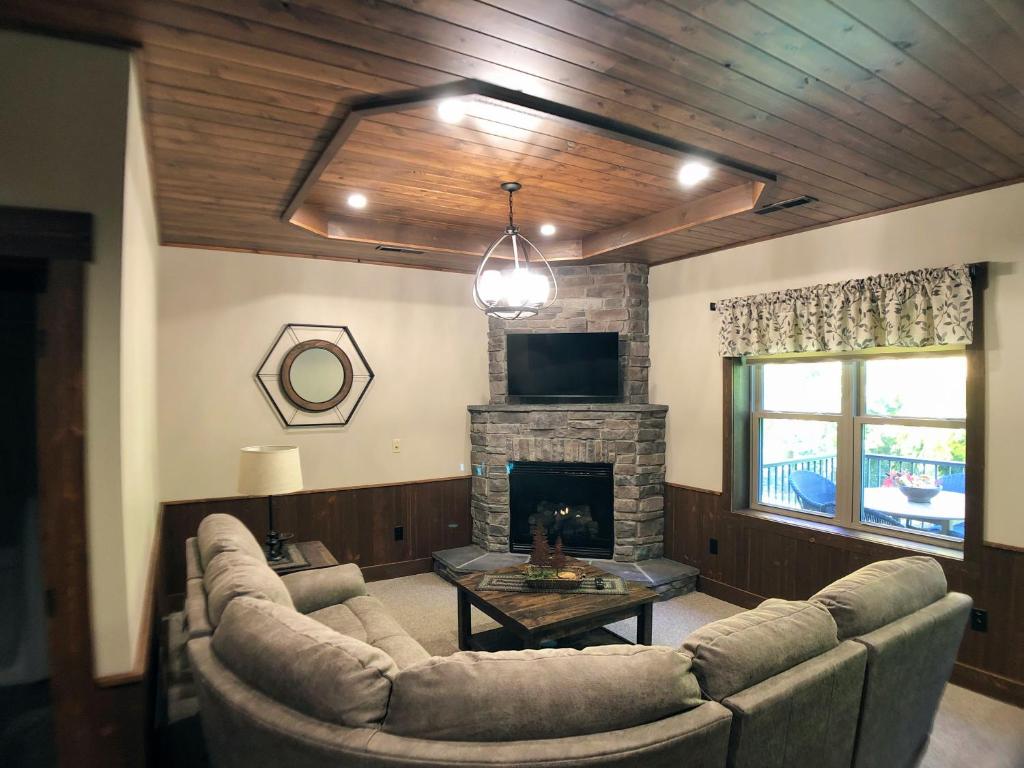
point(713, 546)
point(396, 446)
point(399, 532)
point(979, 620)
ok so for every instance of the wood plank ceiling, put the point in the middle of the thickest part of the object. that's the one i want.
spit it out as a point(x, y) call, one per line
point(866, 105)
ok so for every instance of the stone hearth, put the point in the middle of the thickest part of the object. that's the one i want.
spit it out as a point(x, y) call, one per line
point(629, 436)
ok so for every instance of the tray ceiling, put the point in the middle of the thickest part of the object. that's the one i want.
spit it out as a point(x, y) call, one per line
point(864, 105)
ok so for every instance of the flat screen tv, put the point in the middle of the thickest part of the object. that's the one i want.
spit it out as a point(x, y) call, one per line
point(563, 367)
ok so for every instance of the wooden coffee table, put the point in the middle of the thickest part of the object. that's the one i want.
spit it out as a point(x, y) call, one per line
point(529, 619)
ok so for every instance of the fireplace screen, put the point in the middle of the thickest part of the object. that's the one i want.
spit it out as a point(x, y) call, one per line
point(574, 501)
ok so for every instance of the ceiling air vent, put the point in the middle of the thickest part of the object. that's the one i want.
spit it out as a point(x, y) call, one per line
point(395, 249)
point(783, 204)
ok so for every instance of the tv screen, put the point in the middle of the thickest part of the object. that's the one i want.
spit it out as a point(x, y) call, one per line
point(563, 366)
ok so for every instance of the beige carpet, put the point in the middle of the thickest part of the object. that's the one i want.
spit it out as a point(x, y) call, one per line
point(970, 730)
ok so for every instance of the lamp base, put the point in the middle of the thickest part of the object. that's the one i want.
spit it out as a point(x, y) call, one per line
point(275, 546)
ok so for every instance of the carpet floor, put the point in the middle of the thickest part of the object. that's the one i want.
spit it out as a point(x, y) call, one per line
point(970, 729)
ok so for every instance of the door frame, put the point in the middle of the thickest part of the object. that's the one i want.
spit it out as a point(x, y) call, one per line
point(61, 243)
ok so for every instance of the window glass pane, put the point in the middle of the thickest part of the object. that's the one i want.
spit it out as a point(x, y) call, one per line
point(798, 464)
point(803, 387)
point(917, 387)
point(912, 478)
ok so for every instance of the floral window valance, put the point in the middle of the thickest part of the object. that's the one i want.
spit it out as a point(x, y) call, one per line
point(922, 308)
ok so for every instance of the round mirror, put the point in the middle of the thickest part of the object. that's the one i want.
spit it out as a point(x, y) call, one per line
point(316, 375)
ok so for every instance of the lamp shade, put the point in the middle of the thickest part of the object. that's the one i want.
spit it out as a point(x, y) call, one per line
point(269, 470)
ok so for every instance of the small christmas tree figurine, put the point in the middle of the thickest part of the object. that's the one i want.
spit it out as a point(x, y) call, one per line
point(541, 554)
point(558, 556)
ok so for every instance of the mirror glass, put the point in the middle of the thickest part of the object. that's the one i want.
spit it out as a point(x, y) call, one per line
point(317, 375)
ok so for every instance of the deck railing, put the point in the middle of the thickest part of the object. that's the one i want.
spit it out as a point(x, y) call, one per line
point(775, 487)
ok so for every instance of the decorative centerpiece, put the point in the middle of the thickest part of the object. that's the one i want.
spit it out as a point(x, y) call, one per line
point(549, 569)
point(919, 489)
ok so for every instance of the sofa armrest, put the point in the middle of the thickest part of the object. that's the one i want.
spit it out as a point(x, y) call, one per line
point(197, 621)
point(322, 587)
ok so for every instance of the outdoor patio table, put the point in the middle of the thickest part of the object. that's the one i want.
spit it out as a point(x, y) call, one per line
point(944, 509)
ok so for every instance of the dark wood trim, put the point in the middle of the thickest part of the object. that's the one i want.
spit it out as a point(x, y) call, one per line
point(219, 499)
point(35, 233)
point(395, 570)
point(989, 684)
point(1007, 547)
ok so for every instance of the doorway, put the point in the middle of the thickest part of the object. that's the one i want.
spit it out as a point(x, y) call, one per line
point(26, 712)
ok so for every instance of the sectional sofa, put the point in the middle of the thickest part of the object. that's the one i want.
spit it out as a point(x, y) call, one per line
point(309, 670)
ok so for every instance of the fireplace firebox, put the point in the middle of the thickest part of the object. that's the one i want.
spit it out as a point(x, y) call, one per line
point(571, 500)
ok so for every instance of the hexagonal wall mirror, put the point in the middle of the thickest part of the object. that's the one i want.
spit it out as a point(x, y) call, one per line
point(314, 375)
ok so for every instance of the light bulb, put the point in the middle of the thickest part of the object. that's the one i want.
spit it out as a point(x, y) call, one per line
point(490, 286)
point(548, 230)
point(517, 287)
point(693, 173)
point(357, 200)
point(538, 289)
point(451, 110)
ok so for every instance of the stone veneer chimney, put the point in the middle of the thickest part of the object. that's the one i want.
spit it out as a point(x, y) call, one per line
point(629, 435)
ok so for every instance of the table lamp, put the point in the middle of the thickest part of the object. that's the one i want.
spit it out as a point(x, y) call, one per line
point(270, 470)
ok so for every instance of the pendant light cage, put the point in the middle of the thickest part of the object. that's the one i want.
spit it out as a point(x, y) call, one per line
point(521, 291)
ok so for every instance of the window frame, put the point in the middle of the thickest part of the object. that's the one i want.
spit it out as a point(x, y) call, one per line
point(850, 421)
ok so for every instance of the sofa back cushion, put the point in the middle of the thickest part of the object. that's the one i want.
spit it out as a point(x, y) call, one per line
point(909, 663)
point(521, 695)
point(735, 653)
point(223, 533)
point(303, 664)
point(234, 574)
point(882, 592)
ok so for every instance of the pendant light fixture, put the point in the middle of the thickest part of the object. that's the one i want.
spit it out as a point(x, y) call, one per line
point(524, 289)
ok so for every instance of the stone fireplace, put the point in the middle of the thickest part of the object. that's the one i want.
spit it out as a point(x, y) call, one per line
point(514, 445)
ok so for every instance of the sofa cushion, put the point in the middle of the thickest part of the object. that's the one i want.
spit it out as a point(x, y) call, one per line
point(522, 695)
point(223, 533)
point(303, 664)
point(735, 653)
point(881, 593)
point(234, 574)
point(365, 619)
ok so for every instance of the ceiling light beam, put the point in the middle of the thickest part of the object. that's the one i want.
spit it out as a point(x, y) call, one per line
point(719, 205)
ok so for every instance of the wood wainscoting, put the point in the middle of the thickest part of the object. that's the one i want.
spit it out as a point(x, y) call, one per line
point(759, 558)
point(358, 525)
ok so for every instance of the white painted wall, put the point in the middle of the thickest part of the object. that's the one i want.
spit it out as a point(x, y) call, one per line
point(686, 370)
point(140, 247)
point(71, 138)
point(219, 313)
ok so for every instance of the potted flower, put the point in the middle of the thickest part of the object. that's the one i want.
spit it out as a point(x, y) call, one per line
point(919, 489)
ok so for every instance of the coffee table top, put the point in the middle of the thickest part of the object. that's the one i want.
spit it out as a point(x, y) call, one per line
point(532, 611)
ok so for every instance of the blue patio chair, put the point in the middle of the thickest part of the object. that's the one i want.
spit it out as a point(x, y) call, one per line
point(955, 483)
point(814, 492)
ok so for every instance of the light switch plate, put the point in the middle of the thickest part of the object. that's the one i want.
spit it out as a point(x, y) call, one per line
point(396, 446)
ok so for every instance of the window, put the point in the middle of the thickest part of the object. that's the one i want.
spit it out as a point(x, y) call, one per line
point(873, 443)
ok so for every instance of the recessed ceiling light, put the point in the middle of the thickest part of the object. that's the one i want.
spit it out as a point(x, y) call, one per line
point(693, 173)
point(547, 230)
point(356, 200)
point(451, 110)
